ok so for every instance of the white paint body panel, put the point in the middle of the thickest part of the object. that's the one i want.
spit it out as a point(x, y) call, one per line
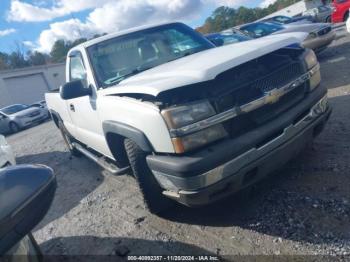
point(105, 105)
point(6, 153)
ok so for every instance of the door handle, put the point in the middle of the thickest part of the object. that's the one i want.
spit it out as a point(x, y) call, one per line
point(71, 107)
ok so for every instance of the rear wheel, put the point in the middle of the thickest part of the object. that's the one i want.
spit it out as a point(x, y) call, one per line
point(155, 201)
point(14, 128)
point(68, 140)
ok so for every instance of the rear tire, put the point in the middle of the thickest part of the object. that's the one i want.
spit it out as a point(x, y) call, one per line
point(14, 128)
point(154, 200)
point(68, 140)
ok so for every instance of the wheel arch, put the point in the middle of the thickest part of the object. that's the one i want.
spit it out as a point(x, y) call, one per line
point(115, 134)
point(56, 117)
point(122, 130)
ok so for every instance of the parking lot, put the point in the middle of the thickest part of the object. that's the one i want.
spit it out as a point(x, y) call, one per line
point(304, 209)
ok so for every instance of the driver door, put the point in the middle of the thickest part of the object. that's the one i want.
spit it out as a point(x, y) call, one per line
point(83, 111)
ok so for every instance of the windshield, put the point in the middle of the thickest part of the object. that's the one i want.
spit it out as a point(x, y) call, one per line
point(261, 29)
point(283, 19)
point(227, 38)
point(13, 109)
point(116, 59)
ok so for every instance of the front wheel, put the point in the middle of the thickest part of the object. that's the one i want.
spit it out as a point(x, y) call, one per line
point(14, 128)
point(68, 140)
point(155, 201)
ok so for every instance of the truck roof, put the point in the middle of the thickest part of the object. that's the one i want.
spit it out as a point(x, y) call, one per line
point(119, 33)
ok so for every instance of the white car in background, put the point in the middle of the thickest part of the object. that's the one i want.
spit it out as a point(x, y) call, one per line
point(6, 154)
point(41, 105)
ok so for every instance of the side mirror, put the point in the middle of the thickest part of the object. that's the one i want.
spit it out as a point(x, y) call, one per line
point(74, 89)
point(26, 193)
point(217, 41)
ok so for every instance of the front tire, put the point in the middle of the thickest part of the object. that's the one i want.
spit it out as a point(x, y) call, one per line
point(68, 140)
point(14, 128)
point(154, 200)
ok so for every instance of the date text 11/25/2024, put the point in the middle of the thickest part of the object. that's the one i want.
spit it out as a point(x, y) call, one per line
point(174, 258)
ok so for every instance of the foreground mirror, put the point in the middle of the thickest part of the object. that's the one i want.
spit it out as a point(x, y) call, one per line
point(26, 193)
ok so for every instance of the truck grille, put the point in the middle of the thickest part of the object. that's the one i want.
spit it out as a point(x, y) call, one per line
point(324, 31)
point(256, 89)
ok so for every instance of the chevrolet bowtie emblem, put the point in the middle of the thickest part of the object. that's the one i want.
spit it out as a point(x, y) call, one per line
point(272, 97)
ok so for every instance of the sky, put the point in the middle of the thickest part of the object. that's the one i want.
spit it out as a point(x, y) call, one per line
point(37, 24)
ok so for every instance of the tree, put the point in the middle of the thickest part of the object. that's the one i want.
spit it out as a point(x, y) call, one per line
point(59, 51)
point(17, 60)
point(225, 17)
point(36, 58)
point(4, 61)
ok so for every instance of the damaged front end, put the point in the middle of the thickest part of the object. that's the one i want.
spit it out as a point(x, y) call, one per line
point(240, 99)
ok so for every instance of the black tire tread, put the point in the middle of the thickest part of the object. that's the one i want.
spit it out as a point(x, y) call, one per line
point(74, 152)
point(154, 200)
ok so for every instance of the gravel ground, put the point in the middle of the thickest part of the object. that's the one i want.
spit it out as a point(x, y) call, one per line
point(302, 210)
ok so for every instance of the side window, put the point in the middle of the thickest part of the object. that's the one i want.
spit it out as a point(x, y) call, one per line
point(77, 70)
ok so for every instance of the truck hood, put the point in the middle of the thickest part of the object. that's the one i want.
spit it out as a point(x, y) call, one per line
point(307, 28)
point(202, 66)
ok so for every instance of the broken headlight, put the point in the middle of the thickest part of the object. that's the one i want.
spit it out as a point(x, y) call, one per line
point(181, 117)
point(313, 69)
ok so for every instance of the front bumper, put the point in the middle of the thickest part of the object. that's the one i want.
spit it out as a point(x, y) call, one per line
point(229, 166)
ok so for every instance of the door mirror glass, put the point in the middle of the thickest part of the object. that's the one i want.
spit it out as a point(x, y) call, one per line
point(74, 89)
point(26, 194)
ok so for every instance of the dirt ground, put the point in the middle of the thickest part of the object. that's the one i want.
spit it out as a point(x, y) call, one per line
point(303, 210)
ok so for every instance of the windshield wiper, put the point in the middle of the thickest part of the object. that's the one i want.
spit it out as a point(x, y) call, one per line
point(181, 56)
point(117, 80)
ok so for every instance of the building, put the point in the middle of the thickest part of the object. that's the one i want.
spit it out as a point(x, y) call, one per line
point(28, 85)
point(297, 8)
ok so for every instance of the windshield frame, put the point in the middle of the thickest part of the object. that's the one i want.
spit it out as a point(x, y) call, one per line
point(206, 45)
point(3, 110)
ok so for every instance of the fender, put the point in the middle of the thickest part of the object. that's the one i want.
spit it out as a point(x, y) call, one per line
point(129, 132)
point(55, 117)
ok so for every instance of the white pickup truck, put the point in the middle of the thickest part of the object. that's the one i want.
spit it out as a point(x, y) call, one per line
point(194, 122)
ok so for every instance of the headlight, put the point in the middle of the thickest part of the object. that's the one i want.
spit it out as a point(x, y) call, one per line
point(180, 116)
point(311, 59)
point(313, 68)
point(311, 35)
point(196, 140)
point(185, 115)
